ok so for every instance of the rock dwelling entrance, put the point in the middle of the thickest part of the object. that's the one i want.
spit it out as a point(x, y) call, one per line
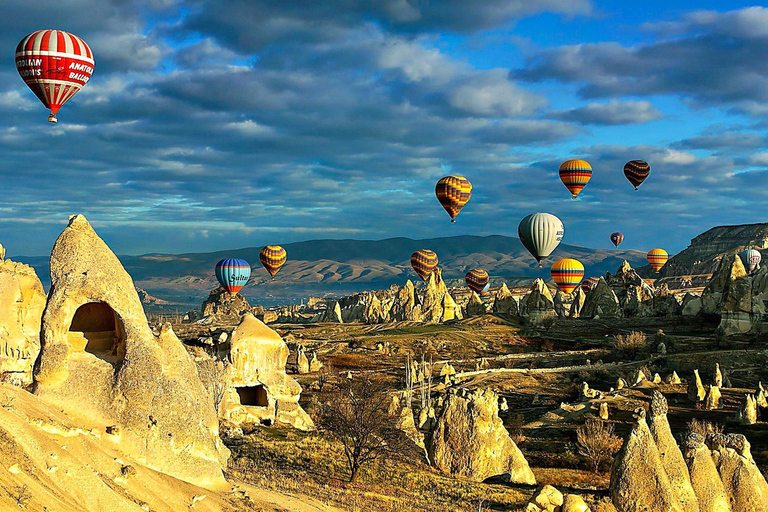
point(253, 395)
point(96, 329)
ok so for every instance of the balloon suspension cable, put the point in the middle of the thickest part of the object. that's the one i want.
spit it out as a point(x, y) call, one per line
point(52, 119)
point(635, 188)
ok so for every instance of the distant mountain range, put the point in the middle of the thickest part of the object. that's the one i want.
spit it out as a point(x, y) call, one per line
point(332, 267)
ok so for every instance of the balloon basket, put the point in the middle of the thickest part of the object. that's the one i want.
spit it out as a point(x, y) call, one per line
point(52, 119)
point(453, 220)
point(574, 197)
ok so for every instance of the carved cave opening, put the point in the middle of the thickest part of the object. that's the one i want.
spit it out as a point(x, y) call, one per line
point(253, 395)
point(98, 330)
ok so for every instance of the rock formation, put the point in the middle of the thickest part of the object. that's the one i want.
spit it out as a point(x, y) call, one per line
point(221, 303)
point(332, 313)
point(712, 400)
point(470, 440)
point(22, 300)
point(601, 302)
point(639, 482)
point(670, 455)
point(475, 306)
point(399, 409)
point(696, 392)
point(744, 484)
point(718, 376)
point(747, 413)
point(302, 363)
point(537, 303)
point(577, 304)
point(314, 363)
point(438, 305)
point(603, 411)
point(504, 303)
point(673, 378)
point(405, 306)
point(559, 303)
point(258, 389)
point(665, 303)
point(545, 499)
point(100, 362)
point(574, 503)
point(705, 479)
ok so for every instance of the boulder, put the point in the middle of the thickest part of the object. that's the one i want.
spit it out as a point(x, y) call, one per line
point(601, 301)
point(705, 479)
point(470, 440)
point(100, 362)
point(639, 482)
point(574, 503)
point(22, 301)
point(504, 303)
point(475, 306)
point(696, 391)
point(538, 303)
point(670, 454)
point(578, 302)
point(546, 499)
point(259, 391)
point(744, 484)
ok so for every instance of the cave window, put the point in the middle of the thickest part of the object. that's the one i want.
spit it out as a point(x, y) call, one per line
point(98, 330)
point(253, 395)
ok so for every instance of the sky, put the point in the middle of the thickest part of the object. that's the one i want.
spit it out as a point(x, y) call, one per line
point(210, 125)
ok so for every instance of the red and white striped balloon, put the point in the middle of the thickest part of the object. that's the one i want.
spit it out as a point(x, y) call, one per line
point(55, 65)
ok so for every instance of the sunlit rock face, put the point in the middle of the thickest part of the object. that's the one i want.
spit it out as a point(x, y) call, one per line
point(101, 363)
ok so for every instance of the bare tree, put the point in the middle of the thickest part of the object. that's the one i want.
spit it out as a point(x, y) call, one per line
point(358, 415)
point(597, 442)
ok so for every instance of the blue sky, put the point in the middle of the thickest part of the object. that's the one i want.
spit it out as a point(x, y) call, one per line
point(221, 124)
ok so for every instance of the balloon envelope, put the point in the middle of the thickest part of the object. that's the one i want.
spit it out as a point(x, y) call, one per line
point(477, 280)
point(453, 192)
point(751, 259)
point(589, 283)
point(657, 258)
point(575, 174)
point(233, 273)
point(424, 262)
point(55, 65)
point(540, 233)
point(617, 238)
point(567, 273)
point(272, 257)
point(636, 171)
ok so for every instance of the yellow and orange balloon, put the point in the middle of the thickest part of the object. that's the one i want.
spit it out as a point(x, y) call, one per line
point(657, 258)
point(424, 262)
point(567, 273)
point(575, 174)
point(453, 192)
point(273, 257)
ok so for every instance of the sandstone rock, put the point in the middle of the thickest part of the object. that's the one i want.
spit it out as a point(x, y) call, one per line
point(302, 362)
point(729, 269)
point(22, 300)
point(259, 391)
point(537, 303)
point(547, 499)
point(665, 303)
point(712, 400)
point(696, 391)
point(427, 418)
point(574, 503)
point(587, 394)
point(405, 306)
point(673, 378)
point(438, 305)
point(224, 304)
point(559, 303)
point(637, 301)
point(747, 413)
point(670, 455)
point(100, 362)
point(503, 405)
point(475, 306)
point(690, 305)
point(621, 383)
point(656, 378)
point(760, 396)
point(718, 376)
point(470, 440)
point(601, 301)
point(332, 313)
point(578, 302)
point(504, 302)
point(639, 482)
point(705, 479)
point(639, 378)
point(406, 423)
point(603, 411)
point(743, 482)
point(314, 363)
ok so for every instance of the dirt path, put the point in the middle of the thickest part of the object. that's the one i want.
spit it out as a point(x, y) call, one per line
point(286, 502)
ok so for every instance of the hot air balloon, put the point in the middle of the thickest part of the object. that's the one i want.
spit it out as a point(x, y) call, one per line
point(540, 233)
point(233, 273)
point(657, 258)
point(589, 283)
point(575, 174)
point(55, 65)
point(636, 171)
point(617, 238)
point(567, 273)
point(272, 257)
point(453, 192)
point(424, 262)
point(751, 259)
point(477, 280)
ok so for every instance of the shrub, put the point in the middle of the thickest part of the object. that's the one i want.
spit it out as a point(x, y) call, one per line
point(703, 427)
point(597, 443)
point(631, 343)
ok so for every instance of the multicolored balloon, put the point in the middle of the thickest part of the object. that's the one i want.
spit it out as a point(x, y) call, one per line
point(617, 238)
point(589, 283)
point(273, 257)
point(567, 273)
point(657, 258)
point(453, 192)
point(636, 171)
point(477, 280)
point(575, 174)
point(540, 233)
point(233, 274)
point(55, 65)
point(424, 262)
point(751, 259)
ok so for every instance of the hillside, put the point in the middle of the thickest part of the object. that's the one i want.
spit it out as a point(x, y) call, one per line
point(342, 266)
